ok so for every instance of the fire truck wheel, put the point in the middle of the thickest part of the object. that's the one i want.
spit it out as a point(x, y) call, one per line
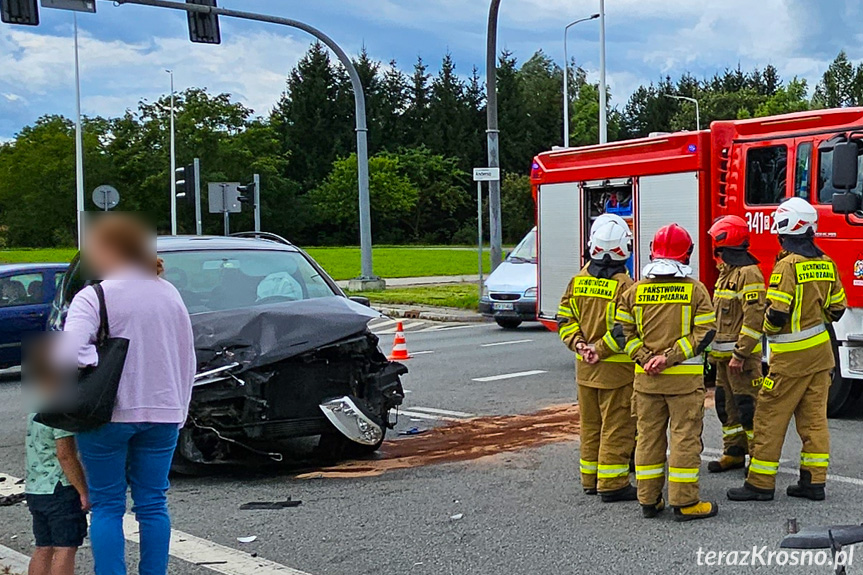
point(508, 323)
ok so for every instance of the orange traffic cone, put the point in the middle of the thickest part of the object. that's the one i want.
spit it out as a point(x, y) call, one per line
point(400, 346)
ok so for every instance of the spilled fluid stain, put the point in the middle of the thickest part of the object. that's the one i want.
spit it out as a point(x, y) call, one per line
point(464, 441)
point(467, 441)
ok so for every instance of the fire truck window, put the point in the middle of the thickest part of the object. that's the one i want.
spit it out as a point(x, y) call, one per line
point(825, 177)
point(766, 174)
point(802, 180)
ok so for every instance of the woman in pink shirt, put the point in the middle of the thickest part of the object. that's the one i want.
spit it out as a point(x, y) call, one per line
point(136, 448)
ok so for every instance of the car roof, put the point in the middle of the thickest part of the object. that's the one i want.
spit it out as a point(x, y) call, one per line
point(5, 268)
point(199, 243)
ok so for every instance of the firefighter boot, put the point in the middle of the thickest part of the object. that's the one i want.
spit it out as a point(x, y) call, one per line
point(651, 511)
point(733, 458)
point(628, 493)
point(749, 493)
point(701, 510)
point(805, 489)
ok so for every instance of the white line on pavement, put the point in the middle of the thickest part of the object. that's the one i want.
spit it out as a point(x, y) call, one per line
point(796, 472)
point(421, 352)
point(436, 328)
point(444, 411)
point(9, 485)
point(512, 342)
point(195, 550)
point(509, 375)
point(12, 560)
point(418, 415)
point(213, 556)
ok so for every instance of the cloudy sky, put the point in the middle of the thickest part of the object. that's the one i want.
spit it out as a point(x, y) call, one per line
point(125, 49)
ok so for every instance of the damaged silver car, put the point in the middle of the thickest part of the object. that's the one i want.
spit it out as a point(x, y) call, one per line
point(282, 352)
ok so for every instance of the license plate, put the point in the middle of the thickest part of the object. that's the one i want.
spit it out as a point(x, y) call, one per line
point(503, 307)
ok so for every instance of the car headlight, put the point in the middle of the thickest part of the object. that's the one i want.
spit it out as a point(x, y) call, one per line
point(485, 292)
point(530, 293)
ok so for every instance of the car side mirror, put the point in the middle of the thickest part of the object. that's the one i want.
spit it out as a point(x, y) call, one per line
point(845, 165)
point(361, 300)
point(847, 203)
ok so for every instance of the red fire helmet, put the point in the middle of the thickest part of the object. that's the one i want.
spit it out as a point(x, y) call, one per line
point(671, 242)
point(730, 232)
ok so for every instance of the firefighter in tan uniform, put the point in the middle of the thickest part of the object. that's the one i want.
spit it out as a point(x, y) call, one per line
point(668, 320)
point(604, 373)
point(736, 349)
point(804, 295)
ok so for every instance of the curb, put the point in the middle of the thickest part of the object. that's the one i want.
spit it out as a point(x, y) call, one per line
point(18, 563)
point(431, 315)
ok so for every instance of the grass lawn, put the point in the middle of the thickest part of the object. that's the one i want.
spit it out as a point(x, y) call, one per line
point(340, 263)
point(465, 296)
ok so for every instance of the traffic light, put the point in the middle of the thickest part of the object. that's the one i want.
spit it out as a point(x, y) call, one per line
point(204, 28)
point(20, 12)
point(185, 184)
point(246, 194)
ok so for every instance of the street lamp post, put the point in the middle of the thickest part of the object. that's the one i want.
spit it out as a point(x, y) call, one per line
point(603, 90)
point(367, 280)
point(566, 77)
point(493, 136)
point(173, 162)
point(694, 101)
point(79, 144)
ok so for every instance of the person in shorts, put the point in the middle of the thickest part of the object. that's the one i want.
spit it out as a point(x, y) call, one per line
point(56, 493)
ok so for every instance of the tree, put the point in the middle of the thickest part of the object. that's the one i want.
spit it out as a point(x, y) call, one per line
point(417, 114)
point(786, 99)
point(447, 112)
point(841, 85)
point(393, 198)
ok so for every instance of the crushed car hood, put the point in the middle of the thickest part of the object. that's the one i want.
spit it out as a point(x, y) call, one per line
point(262, 335)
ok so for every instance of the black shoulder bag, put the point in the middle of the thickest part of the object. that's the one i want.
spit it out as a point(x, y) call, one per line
point(96, 392)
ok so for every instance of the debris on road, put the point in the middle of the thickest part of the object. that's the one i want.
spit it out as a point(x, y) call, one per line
point(263, 505)
point(412, 431)
point(248, 539)
point(457, 516)
point(465, 441)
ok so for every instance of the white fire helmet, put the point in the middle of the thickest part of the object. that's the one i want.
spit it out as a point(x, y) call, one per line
point(795, 217)
point(610, 235)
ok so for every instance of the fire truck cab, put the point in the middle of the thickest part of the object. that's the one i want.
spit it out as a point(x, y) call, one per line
point(741, 167)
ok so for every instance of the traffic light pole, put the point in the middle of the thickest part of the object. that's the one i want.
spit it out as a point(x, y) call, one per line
point(493, 136)
point(198, 221)
point(257, 180)
point(367, 280)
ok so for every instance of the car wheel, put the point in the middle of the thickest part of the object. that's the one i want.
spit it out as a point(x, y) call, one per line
point(508, 323)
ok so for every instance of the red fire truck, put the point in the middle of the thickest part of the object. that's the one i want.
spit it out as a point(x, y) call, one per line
point(742, 167)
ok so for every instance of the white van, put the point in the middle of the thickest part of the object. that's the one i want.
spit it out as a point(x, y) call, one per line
point(509, 293)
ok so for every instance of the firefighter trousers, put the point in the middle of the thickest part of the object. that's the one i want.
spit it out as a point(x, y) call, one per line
point(782, 396)
point(683, 415)
point(607, 437)
point(736, 395)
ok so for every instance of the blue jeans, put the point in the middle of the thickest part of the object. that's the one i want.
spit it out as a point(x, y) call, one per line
point(137, 455)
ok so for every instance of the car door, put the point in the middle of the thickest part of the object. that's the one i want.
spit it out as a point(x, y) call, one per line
point(22, 312)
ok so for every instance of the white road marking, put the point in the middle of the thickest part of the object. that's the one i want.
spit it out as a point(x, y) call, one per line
point(213, 556)
point(509, 375)
point(444, 411)
point(796, 472)
point(406, 325)
point(9, 485)
point(506, 342)
point(436, 328)
point(418, 415)
point(185, 546)
point(14, 561)
point(421, 352)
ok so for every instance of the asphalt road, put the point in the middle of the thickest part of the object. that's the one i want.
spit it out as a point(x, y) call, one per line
point(512, 512)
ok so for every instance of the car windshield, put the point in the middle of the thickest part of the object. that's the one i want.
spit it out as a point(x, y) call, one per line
point(525, 251)
point(231, 279)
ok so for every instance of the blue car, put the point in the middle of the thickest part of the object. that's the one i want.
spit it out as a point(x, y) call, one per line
point(26, 293)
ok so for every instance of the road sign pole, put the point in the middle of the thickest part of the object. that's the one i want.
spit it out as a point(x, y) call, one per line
point(479, 231)
point(198, 222)
point(257, 180)
point(226, 217)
